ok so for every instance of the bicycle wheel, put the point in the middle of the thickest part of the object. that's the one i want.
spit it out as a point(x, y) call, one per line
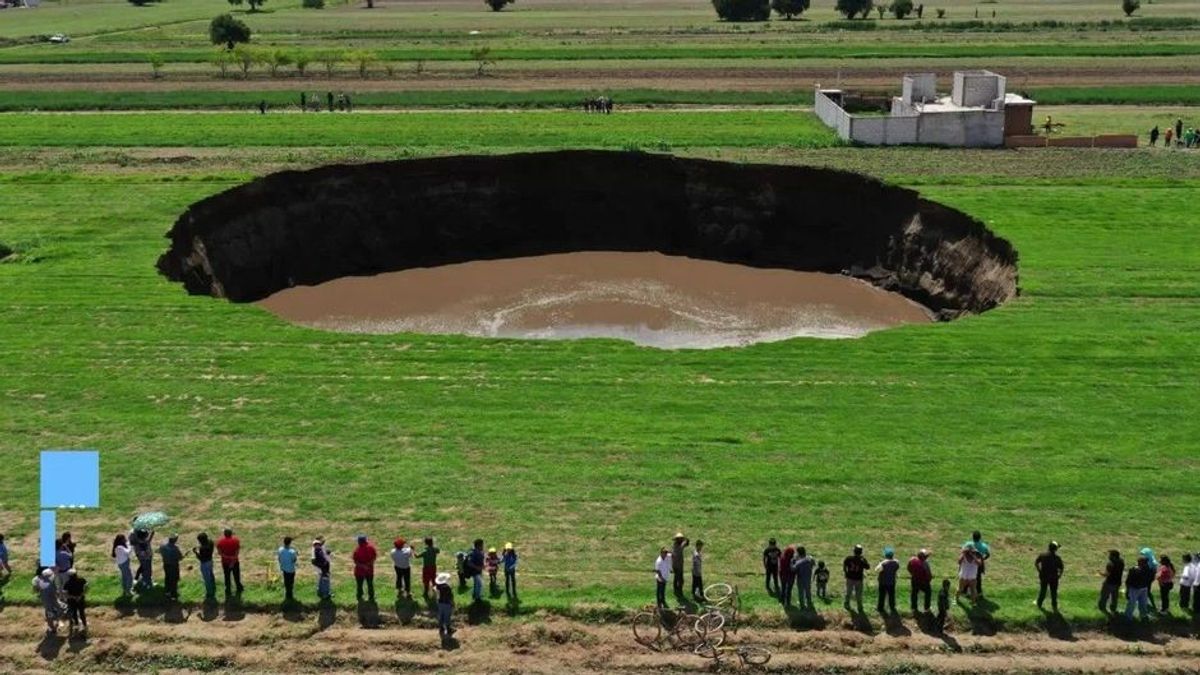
point(718, 594)
point(684, 634)
point(707, 650)
point(754, 655)
point(647, 629)
point(711, 620)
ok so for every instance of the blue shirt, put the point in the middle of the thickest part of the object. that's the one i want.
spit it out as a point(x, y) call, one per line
point(62, 560)
point(4, 552)
point(510, 561)
point(287, 559)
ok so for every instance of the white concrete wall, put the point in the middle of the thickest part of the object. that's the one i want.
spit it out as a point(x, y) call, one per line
point(919, 87)
point(832, 115)
point(977, 88)
point(972, 129)
point(892, 130)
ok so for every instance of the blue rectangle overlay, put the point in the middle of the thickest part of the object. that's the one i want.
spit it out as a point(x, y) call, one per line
point(48, 531)
point(70, 479)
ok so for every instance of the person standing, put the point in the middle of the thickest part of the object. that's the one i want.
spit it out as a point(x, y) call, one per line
point(854, 567)
point(802, 569)
point(770, 559)
point(445, 605)
point(1114, 570)
point(1050, 569)
point(1166, 581)
point(402, 561)
point(142, 541)
point(303, 102)
point(322, 560)
point(288, 557)
point(1178, 130)
point(943, 605)
point(1137, 586)
point(475, 562)
point(4, 566)
point(230, 549)
point(698, 571)
point(492, 564)
point(1167, 137)
point(75, 588)
point(968, 572)
point(329, 100)
point(1154, 136)
point(679, 543)
point(204, 555)
point(47, 590)
point(922, 579)
point(121, 554)
point(662, 574)
point(64, 559)
point(787, 579)
point(510, 571)
point(429, 565)
point(1188, 580)
point(887, 570)
point(821, 576)
point(982, 553)
point(364, 568)
point(171, 557)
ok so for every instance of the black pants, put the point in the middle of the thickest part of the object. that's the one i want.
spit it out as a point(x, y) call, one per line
point(941, 620)
point(510, 583)
point(919, 587)
point(370, 582)
point(171, 581)
point(233, 571)
point(1052, 585)
point(404, 580)
point(979, 581)
point(772, 575)
point(677, 580)
point(785, 593)
point(289, 586)
point(887, 593)
point(77, 611)
point(660, 592)
point(1164, 592)
point(697, 586)
point(1185, 597)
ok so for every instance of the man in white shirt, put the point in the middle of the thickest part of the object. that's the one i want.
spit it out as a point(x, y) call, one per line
point(662, 575)
point(1189, 580)
point(402, 560)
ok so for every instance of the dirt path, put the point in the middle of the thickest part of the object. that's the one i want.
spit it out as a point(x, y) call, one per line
point(220, 640)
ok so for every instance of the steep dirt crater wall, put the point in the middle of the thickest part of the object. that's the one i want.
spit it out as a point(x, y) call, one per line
point(307, 227)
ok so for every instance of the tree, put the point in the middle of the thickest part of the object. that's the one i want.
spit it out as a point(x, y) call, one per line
point(228, 31)
point(245, 57)
point(301, 58)
point(1130, 6)
point(743, 10)
point(222, 60)
point(789, 8)
point(313, 4)
point(920, 10)
point(853, 8)
point(254, 4)
point(483, 58)
point(497, 5)
point(330, 58)
point(156, 64)
point(143, 3)
point(276, 59)
point(363, 59)
point(902, 8)
point(881, 9)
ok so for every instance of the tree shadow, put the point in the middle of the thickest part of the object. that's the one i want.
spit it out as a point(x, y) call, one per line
point(368, 614)
point(799, 618)
point(234, 611)
point(406, 609)
point(51, 646)
point(479, 613)
point(327, 614)
point(1057, 627)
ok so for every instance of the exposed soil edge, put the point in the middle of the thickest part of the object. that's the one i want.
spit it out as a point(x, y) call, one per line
point(306, 227)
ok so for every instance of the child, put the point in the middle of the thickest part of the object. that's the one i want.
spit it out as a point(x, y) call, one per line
point(492, 564)
point(822, 577)
point(943, 605)
point(460, 565)
point(1166, 581)
point(510, 571)
point(4, 558)
point(429, 565)
point(321, 561)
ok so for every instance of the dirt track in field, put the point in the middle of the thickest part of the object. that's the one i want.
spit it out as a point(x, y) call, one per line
point(187, 641)
point(512, 78)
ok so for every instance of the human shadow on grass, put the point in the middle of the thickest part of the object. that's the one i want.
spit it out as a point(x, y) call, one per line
point(893, 625)
point(1057, 626)
point(292, 611)
point(233, 610)
point(860, 622)
point(979, 615)
point(804, 618)
point(512, 606)
point(77, 642)
point(51, 646)
point(326, 614)
point(450, 643)
point(406, 608)
point(479, 613)
point(368, 614)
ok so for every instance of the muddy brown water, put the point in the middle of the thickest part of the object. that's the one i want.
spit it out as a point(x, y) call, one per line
point(650, 299)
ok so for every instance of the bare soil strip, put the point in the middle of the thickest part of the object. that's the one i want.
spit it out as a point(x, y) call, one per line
point(219, 639)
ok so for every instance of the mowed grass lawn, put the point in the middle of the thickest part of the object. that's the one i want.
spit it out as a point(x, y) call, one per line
point(1070, 413)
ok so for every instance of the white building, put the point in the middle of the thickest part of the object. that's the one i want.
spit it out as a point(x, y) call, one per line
point(978, 113)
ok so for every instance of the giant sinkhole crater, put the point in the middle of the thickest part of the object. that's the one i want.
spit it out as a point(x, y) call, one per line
point(660, 250)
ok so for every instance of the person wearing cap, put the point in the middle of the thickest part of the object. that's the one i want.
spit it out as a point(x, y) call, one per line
point(922, 579)
point(322, 560)
point(204, 555)
point(428, 565)
point(288, 557)
point(46, 589)
point(75, 589)
point(1050, 569)
point(171, 556)
point(679, 542)
point(492, 564)
point(473, 566)
point(402, 555)
point(445, 605)
point(854, 568)
point(364, 568)
point(230, 548)
point(802, 569)
point(982, 553)
point(698, 571)
point(886, 571)
point(770, 559)
point(510, 571)
point(662, 574)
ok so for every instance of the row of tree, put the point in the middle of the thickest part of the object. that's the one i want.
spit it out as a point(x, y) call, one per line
point(760, 10)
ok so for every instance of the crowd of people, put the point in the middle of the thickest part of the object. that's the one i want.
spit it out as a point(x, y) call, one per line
point(1176, 136)
point(788, 571)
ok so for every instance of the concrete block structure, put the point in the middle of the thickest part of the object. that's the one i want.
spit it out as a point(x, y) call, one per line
point(979, 113)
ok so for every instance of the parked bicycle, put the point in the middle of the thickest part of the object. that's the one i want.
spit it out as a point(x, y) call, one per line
point(747, 655)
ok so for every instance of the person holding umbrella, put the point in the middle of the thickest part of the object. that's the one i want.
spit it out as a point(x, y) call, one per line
point(142, 539)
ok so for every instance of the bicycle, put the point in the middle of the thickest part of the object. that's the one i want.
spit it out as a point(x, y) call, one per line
point(657, 628)
point(747, 655)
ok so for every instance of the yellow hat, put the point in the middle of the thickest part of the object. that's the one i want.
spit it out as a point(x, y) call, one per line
point(492, 549)
point(508, 546)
